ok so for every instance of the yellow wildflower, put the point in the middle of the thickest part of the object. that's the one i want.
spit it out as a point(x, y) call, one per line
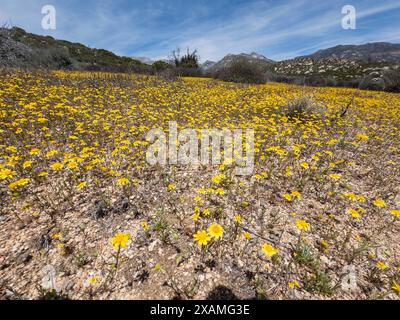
point(216, 231)
point(82, 185)
point(171, 187)
point(396, 287)
point(145, 225)
point(26, 164)
point(305, 165)
point(379, 203)
point(353, 212)
point(395, 213)
point(303, 225)
point(335, 176)
point(202, 238)
point(293, 284)
point(120, 240)
point(381, 265)
point(93, 280)
point(269, 250)
point(6, 173)
point(57, 166)
point(19, 183)
point(123, 181)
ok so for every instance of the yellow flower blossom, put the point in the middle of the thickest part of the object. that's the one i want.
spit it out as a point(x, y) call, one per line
point(171, 187)
point(19, 183)
point(379, 203)
point(57, 166)
point(381, 265)
point(303, 225)
point(395, 213)
point(120, 240)
point(396, 287)
point(293, 284)
point(335, 176)
point(81, 185)
point(353, 212)
point(216, 231)
point(269, 250)
point(202, 238)
point(27, 164)
point(93, 280)
point(123, 181)
point(145, 225)
point(6, 173)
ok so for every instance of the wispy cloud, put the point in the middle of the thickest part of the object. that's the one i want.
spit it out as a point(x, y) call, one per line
point(277, 29)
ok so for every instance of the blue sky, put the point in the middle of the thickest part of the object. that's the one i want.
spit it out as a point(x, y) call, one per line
point(153, 28)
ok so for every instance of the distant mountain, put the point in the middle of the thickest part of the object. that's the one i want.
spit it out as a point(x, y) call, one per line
point(253, 58)
point(207, 65)
point(371, 52)
point(344, 62)
point(144, 60)
point(21, 49)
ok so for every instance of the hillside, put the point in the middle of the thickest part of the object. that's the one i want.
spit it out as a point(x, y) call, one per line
point(21, 49)
point(370, 52)
point(230, 59)
point(341, 68)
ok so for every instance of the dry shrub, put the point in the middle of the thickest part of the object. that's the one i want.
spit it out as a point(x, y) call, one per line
point(167, 74)
point(303, 108)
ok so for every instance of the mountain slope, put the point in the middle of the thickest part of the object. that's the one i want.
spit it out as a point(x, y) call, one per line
point(207, 65)
point(253, 58)
point(21, 49)
point(144, 60)
point(335, 67)
point(370, 52)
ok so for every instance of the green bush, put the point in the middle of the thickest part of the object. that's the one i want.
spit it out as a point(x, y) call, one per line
point(160, 65)
point(392, 80)
point(188, 64)
point(242, 71)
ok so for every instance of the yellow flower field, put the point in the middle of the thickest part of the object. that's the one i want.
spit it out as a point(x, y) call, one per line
point(318, 218)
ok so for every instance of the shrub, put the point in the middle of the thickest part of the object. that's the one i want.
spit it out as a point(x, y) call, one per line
point(242, 71)
point(349, 83)
point(392, 80)
point(169, 74)
point(302, 108)
point(372, 81)
point(189, 72)
point(320, 283)
point(188, 61)
point(160, 65)
point(188, 64)
point(320, 81)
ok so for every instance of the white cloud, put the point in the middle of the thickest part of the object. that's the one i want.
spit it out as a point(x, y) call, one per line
point(276, 29)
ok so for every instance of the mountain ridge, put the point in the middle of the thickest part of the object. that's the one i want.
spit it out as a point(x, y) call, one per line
point(370, 52)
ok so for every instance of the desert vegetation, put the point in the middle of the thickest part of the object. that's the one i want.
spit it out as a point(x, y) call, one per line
point(84, 216)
